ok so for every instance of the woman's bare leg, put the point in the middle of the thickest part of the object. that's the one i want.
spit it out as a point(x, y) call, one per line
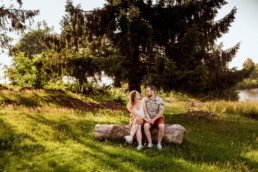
point(139, 135)
point(133, 130)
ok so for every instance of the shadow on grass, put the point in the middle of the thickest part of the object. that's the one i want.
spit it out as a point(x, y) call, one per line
point(217, 141)
point(29, 97)
point(11, 140)
point(6, 100)
point(66, 128)
point(214, 142)
point(108, 155)
point(29, 101)
point(62, 99)
point(195, 149)
point(13, 144)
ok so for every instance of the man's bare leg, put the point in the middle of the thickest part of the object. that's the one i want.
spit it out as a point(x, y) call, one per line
point(161, 133)
point(147, 132)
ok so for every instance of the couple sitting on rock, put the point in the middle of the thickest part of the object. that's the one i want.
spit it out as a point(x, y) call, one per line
point(146, 112)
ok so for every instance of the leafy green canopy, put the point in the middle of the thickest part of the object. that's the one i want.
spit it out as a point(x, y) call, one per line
point(30, 66)
point(252, 80)
point(169, 43)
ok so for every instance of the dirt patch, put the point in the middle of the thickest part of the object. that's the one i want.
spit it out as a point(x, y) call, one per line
point(77, 104)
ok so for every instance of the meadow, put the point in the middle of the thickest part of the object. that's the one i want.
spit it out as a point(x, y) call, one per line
point(52, 130)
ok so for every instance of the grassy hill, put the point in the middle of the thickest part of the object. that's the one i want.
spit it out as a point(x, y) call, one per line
point(52, 130)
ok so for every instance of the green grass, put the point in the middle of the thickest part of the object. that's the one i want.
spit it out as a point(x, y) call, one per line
point(53, 131)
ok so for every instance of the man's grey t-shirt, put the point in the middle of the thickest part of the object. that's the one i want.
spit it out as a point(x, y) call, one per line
point(154, 106)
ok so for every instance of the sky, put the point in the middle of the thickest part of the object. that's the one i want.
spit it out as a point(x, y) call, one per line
point(244, 29)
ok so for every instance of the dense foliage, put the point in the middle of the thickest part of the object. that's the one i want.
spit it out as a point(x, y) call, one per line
point(30, 66)
point(171, 44)
point(251, 81)
point(168, 43)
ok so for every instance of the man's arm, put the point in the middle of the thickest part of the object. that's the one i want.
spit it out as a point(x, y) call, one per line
point(161, 109)
point(159, 114)
point(147, 119)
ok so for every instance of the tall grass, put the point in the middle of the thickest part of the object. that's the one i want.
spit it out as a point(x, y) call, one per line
point(247, 109)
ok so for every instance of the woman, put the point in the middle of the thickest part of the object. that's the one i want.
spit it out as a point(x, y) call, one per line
point(135, 107)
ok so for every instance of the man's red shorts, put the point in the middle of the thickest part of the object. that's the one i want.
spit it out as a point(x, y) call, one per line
point(160, 120)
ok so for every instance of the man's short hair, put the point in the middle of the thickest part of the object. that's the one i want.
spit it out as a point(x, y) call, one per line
point(153, 88)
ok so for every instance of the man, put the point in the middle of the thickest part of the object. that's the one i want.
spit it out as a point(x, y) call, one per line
point(153, 108)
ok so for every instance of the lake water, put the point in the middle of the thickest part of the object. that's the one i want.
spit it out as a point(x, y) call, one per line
point(248, 95)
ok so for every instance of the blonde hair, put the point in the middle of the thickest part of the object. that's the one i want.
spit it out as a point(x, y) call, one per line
point(132, 95)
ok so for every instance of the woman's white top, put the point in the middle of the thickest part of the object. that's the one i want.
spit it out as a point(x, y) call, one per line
point(140, 111)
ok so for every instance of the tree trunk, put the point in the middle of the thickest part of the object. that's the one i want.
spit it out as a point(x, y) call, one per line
point(173, 133)
point(135, 72)
point(132, 85)
point(117, 83)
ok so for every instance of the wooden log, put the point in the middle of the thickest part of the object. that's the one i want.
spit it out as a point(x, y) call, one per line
point(173, 133)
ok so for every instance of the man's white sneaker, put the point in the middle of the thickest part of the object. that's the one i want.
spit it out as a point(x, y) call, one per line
point(150, 145)
point(139, 147)
point(159, 146)
point(128, 139)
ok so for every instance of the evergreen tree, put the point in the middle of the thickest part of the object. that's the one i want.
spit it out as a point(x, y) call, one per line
point(13, 20)
point(78, 54)
point(168, 43)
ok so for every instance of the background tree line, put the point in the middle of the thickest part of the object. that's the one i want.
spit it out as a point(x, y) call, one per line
point(251, 81)
point(171, 44)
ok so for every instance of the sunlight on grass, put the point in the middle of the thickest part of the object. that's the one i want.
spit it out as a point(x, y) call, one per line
point(251, 155)
point(175, 108)
point(61, 137)
point(198, 167)
point(248, 109)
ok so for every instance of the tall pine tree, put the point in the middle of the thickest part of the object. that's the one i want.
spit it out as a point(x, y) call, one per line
point(170, 43)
